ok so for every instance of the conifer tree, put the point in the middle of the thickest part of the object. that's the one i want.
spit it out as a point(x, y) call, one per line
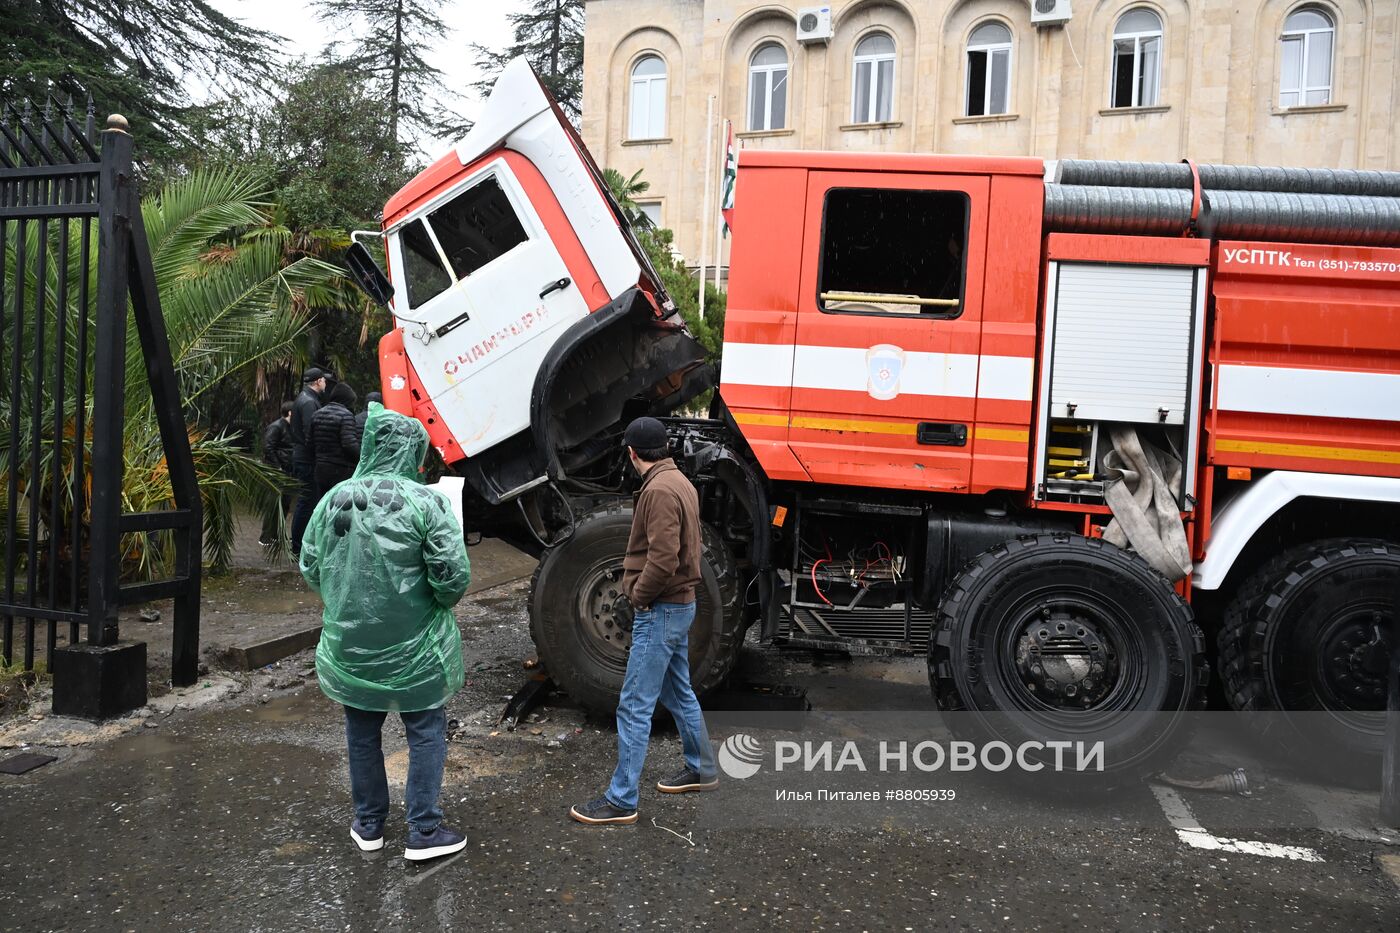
point(390, 38)
point(549, 33)
point(137, 57)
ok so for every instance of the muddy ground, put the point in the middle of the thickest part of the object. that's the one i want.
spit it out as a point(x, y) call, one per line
point(234, 817)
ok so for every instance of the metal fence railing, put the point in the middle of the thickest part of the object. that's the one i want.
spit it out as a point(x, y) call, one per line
point(76, 266)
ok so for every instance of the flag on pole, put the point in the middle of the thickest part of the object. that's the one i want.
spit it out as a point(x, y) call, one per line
point(726, 185)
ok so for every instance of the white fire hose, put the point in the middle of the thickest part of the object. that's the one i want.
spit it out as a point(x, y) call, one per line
point(1145, 513)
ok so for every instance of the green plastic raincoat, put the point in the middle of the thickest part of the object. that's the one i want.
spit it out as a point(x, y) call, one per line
point(388, 558)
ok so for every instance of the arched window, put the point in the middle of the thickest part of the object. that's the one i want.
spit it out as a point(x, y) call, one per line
point(768, 81)
point(872, 84)
point(1306, 75)
point(988, 69)
point(648, 99)
point(1137, 59)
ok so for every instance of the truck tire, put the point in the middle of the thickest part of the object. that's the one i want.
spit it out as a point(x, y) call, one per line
point(1061, 636)
point(581, 625)
point(1308, 631)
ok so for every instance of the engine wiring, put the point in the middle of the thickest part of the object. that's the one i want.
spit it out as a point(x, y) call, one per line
point(863, 566)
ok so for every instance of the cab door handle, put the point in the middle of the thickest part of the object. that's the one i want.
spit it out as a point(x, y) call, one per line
point(555, 286)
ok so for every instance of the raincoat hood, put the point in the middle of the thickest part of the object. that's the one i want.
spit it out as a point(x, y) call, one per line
point(393, 445)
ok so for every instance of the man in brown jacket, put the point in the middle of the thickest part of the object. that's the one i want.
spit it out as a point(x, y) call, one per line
point(660, 572)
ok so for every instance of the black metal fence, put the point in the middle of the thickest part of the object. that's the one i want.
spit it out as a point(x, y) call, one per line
point(76, 265)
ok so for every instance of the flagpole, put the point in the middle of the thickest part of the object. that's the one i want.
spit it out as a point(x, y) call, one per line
point(719, 201)
point(705, 204)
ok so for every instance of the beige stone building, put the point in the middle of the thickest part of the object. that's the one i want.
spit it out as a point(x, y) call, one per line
point(1293, 82)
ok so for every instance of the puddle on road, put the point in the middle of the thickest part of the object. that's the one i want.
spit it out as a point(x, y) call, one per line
point(298, 707)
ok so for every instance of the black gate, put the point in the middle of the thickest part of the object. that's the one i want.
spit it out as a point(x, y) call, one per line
point(76, 262)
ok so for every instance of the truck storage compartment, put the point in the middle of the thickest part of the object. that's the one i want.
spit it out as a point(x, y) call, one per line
point(1121, 347)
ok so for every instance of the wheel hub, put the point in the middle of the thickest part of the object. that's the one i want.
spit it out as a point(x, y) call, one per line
point(1355, 655)
point(1064, 660)
point(604, 612)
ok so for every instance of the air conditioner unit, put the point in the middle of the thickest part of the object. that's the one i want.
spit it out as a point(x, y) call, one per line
point(814, 24)
point(1049, 12)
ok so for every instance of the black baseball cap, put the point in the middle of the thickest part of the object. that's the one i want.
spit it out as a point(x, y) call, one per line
point(312, 374)
point(645, 434)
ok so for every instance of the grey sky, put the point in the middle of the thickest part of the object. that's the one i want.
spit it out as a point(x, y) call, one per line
point(482, 21)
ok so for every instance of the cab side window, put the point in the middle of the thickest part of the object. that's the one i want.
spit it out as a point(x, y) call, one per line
point(893, 251)
point(423, 272)
point(477, 226)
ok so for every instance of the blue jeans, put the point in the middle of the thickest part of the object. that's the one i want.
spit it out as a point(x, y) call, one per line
point(658, 668)
point(305, 474)
point(427, 752)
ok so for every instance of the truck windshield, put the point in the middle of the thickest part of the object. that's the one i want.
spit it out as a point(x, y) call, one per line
point(893, 251)
point(423, 271)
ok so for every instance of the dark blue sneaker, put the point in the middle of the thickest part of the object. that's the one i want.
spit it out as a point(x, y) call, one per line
point(442, 841)
point(368, 838)
point(601, 812)
point(687, 781)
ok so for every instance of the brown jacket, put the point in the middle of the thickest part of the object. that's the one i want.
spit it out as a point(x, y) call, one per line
point(663, 551)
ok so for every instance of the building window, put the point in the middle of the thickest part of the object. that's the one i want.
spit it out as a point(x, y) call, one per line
point(873, 82)
point(1306, 78)
point(648, 99)
point(650, 213)
point(910, 263)
point(1137, 59)
point(988, 69)
point(768, 79)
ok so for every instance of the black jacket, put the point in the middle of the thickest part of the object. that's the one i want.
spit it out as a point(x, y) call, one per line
point(334, 439)
point(277, 445)
point(303, 408)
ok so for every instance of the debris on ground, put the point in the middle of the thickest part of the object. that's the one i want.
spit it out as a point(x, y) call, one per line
point(1231, 782)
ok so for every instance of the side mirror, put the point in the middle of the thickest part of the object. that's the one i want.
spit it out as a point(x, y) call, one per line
point(366, 273)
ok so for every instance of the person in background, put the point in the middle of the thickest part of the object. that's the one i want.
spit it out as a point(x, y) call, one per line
point(334, 440)
point(659, 573)
point(304, 407)
point(370, 399)
point(388, 559)
point(277, 452)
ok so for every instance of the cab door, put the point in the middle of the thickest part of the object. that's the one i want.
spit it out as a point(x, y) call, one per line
point(884, 378)
point(483, 295)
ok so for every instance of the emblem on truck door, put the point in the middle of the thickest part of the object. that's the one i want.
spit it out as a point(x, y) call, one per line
point(884, 364)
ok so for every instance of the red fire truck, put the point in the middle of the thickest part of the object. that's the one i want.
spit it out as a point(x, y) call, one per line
point(1045, 423)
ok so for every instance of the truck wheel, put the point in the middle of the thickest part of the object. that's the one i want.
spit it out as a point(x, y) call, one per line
point(1058, 636)
point(1309, 632)
point(582, 625)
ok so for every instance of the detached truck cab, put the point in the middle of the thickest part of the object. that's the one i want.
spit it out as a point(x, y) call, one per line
point(1036, 425)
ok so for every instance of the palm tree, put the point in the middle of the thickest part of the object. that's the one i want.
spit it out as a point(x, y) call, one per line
point(625, 191)
point(232, 302)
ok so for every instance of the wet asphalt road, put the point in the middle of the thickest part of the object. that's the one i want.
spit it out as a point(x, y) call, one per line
point(236, 819)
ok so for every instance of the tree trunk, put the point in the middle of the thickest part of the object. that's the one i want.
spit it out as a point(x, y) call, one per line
point(554, 40)
point(395, 72)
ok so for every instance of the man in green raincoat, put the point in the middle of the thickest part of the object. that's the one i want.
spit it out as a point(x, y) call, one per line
point(388, 558)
